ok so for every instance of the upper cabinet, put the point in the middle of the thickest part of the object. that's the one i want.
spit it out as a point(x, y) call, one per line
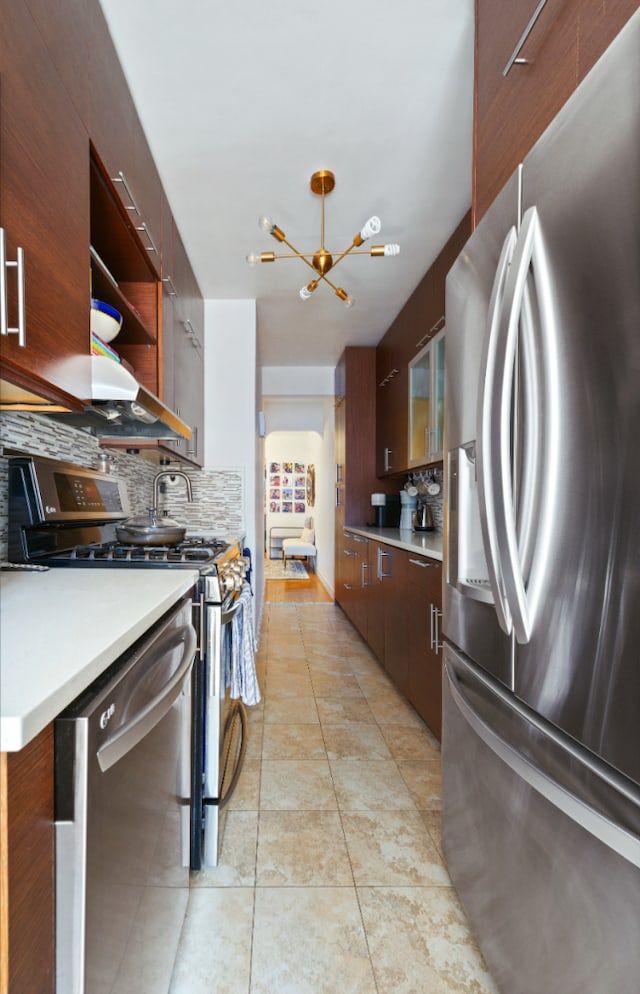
point(83, 213)
point(516, 101)
point(410, 372)
point(44, 213)
point(118, 137)
point(426, 403)
point(182, 341)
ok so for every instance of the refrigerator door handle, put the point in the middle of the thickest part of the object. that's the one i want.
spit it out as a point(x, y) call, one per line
point(500, 423)
point(614, 836)
point(485, 462)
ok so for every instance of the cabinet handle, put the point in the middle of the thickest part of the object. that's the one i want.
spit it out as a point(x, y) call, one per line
point(381, 573)
point(358, 538)
point(387, 460)
point(525, 34)
point(435, 616)
point(347, 586)
point(363, 569)
point(18, 264)
point(349, 552)
point(132, 205)
point(170, 286)
point(420, 562)
point(191, 332)
point(144, 228)
point(338, 473)
point(338, 501)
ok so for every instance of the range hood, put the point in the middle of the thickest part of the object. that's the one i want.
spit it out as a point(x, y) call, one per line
point(119, 407)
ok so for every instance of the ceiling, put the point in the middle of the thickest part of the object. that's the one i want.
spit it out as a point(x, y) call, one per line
point(242, 102)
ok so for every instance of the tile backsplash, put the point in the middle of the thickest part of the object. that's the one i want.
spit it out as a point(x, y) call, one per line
point(421, 480)
point(217, 493)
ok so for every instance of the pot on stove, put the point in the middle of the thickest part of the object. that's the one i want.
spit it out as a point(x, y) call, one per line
point(149, 529)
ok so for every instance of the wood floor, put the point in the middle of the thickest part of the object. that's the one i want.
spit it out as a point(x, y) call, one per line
point(309, 591)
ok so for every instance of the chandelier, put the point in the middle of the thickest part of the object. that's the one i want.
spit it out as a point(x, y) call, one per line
point(322, 261)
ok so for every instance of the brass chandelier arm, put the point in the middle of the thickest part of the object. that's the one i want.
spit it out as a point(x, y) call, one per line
point(296, 255)
point(310, 255)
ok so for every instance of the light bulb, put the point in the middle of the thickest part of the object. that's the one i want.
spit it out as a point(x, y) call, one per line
point(372, 227)
point(344, 297)
point(265, 223)
point(380, 250)
point(307, 290)
point(252, 258)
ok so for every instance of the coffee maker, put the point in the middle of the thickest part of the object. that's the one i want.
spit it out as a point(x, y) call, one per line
point(386, 510)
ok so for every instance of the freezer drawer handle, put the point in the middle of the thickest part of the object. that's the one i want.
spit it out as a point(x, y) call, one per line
point(610, 834)
point(128, 736)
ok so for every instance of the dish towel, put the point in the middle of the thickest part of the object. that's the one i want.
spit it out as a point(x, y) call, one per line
point(244, 679)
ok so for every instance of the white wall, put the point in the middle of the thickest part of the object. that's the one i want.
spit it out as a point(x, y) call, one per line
point(297, 381)
point(231, 386)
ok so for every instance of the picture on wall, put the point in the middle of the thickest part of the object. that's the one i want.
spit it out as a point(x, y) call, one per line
point(291, 487)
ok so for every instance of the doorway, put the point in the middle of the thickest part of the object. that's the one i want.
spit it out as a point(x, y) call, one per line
point(295, 497)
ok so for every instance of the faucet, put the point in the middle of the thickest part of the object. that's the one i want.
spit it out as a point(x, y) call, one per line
point(171, 474)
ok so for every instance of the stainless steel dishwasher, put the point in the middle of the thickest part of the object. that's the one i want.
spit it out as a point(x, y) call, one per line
point(122, 785)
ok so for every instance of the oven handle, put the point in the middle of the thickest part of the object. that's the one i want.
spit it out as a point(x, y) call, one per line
point(129, 735)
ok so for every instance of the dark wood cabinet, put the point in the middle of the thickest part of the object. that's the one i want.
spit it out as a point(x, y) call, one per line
point(375, 600)
point(64, 28)
point(512, 111)
point(424, 603)
point(44, 211)
point(355, 581)
point(118, 137)
point(27, 868)
point(394, 596)
point(355, 474)
point(392, 407)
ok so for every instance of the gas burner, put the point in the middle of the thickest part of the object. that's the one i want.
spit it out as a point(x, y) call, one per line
point(184, 552)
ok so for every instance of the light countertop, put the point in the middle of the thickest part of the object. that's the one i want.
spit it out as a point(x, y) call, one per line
point(60, 629)
point(424, 543)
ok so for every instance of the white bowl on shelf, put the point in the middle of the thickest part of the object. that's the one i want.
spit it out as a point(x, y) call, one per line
point(106, 321)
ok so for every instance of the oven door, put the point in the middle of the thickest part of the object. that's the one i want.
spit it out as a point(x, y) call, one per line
point(223, 727)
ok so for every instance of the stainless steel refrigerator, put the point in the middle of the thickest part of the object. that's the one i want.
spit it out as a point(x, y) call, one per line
point(541, 699)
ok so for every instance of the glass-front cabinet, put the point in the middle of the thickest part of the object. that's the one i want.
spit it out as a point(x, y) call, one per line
point(426, 403)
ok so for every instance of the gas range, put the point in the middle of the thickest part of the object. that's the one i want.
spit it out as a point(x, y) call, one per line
point(62, 515)
point(196, 552)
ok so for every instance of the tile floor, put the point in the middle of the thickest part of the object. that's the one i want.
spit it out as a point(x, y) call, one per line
point(332, 879)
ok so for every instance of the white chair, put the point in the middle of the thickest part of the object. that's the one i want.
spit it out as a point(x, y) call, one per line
point(302, 546)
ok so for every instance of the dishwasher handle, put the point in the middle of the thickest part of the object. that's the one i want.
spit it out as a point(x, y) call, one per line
point(133, 731)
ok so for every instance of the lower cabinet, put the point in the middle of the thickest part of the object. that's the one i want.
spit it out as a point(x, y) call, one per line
point(352, 594)
point(375, 600)
point(424, 602)
point(27, 963)
point(394, 598)
point(396, 647)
